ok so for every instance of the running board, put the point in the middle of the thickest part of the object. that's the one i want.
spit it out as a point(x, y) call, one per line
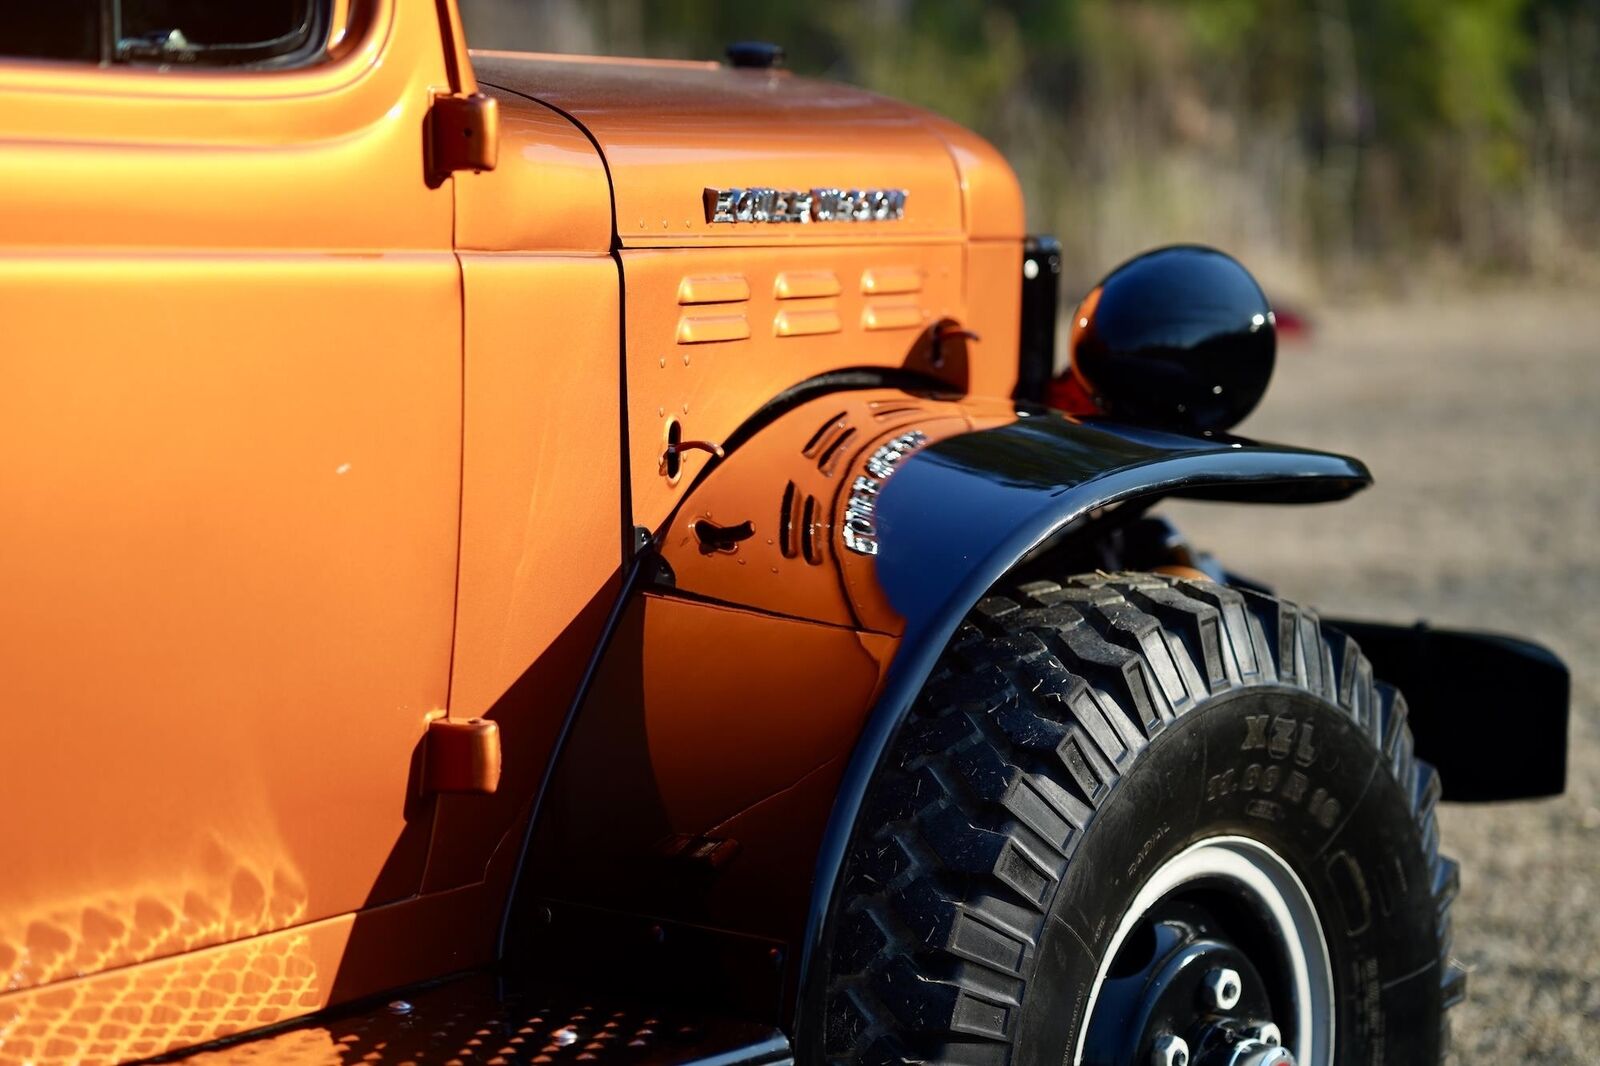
point(483, 1019)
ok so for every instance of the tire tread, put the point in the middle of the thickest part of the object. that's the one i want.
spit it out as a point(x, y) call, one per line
point(1044, 695)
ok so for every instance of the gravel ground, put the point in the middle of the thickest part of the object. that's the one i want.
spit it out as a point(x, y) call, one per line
point(1480, 417)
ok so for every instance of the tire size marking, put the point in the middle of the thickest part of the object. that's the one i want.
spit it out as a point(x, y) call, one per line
point(1275, 787)
point(1278, 735)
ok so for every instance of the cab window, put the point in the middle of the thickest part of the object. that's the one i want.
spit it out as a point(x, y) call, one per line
point(169, 33)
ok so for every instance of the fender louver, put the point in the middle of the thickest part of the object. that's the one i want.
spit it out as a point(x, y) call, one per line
point(797, 526)
point(882, 409)
point(824, 433)
point(827, 443)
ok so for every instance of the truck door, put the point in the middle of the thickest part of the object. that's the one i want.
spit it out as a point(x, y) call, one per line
point(230, 378)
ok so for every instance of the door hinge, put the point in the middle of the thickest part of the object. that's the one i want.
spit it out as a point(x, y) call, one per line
point(463, 134)
point(462, 756)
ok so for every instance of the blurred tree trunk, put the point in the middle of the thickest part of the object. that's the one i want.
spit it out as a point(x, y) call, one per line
point(1339, 223)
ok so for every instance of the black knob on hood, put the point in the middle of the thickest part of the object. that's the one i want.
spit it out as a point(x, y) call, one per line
point(759, 55)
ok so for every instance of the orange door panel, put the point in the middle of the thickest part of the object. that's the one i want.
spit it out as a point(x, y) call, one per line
point(542, 523)
point(229, 459)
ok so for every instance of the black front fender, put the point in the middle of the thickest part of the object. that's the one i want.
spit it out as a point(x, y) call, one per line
point(961, 512)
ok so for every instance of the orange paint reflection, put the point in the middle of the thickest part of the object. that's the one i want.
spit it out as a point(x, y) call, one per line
point(146, 1010)
point(224, 897)
point(152, 1009)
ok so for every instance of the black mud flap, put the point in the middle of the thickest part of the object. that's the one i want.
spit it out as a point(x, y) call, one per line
point(1488, 711)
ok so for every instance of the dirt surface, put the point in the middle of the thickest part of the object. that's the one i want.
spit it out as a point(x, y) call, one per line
point(1480, 419)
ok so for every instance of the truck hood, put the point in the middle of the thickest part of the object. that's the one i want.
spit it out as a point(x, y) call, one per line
point(670, 131)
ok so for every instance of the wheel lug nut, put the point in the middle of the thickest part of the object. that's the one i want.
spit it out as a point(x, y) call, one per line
point(1267, 1033)
point(1170, 1050)
point(1221, 988)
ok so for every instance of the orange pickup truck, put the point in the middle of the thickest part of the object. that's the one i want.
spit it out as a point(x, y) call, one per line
point(521, 558)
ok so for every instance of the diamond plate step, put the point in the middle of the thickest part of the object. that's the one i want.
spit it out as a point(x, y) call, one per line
point(482, 1019)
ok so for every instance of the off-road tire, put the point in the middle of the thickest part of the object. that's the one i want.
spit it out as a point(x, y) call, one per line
point(1035, 786)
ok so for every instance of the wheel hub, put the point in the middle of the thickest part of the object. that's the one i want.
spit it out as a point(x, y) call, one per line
point(1218, 957)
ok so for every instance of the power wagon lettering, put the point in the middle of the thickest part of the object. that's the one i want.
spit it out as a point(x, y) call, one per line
point(804, 205)
point(860, 530)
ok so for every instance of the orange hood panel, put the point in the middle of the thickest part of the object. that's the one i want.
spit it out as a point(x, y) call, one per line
point(669, 131)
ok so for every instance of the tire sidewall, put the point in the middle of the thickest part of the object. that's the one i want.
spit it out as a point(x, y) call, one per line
point(1297, 773)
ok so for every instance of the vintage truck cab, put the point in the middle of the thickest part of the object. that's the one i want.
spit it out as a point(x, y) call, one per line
point(603, 531)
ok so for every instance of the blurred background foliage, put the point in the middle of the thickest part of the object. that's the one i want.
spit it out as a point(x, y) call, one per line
point(1337, 145)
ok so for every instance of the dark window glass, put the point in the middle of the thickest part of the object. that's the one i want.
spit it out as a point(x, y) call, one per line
point(54, 29)
point(167, 32)
point(205, 31)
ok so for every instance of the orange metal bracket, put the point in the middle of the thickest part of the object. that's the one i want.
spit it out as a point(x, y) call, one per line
point(463, 134)
point(462, 756)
